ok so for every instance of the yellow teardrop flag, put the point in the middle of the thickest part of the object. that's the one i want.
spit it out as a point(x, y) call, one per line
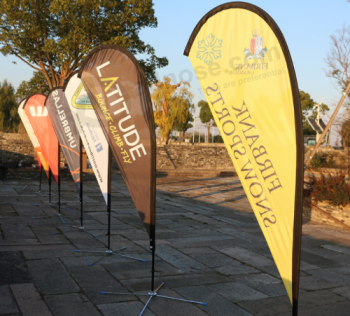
point(246, 73)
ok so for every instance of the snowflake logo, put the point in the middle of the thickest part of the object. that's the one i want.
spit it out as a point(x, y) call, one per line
point(209, 49)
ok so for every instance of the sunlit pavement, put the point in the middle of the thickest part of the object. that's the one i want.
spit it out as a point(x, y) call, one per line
point(209, 248)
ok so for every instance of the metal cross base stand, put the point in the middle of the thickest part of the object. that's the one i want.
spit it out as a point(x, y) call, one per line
point(108, 252)
point(60, 216)
point(152, 294)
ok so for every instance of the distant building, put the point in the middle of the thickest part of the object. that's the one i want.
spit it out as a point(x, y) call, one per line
point(309, 140)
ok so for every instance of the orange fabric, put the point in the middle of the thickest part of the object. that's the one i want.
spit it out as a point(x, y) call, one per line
point(42, 160)
point(38, 116)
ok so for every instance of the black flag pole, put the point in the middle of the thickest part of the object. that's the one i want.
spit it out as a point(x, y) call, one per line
point(154, 292)
point(81, 186)
point(49, 186)
point(109, 251)
point(295, 307)
point(41, 173)
point(109, 198)
point(119, 93)
point(59, 185)
point(82, 228)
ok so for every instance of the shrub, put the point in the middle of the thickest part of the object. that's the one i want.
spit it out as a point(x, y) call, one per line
point(331, 162)
point(318, 161)
point(322, 161)
point(332, 189)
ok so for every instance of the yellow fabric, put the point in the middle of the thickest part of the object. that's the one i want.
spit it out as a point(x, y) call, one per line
point(244, 77)
point(43, 160)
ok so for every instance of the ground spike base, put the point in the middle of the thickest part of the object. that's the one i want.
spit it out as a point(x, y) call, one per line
point(109, 252)
point(152, 294)
point(60, 216)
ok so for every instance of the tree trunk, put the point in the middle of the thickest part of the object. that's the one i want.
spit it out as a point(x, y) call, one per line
point(165, 139)
point(208, 134)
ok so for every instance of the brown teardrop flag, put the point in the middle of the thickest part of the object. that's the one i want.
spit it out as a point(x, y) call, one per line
point(120, 97)
point(66, 131)
point(38, 116)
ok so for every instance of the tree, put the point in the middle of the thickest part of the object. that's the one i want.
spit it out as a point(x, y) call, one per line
point(206, 116)
point(345, 133)
point(172, 106)
point(9, 118)
point(54, 36)
point(338, 61)
point(338, 58)
point(307, 104)
point(37, 84)
point(218, 139)
point(181, 108)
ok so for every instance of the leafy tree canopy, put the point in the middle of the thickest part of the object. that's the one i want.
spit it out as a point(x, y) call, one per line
point(205, 114)
point(54, 36)
point(173, 106)
point(181, 108)
point(307, 104)
point(37, 84)
point(9, 118)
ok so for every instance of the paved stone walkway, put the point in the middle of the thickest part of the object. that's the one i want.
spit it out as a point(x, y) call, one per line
point(209, 248)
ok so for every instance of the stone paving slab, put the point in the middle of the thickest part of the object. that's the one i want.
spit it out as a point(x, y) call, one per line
point(342, 291)
point(179, 259)
point(29, 300)
point(94, 280)
point(13, 269)
point(217, 305)
point(311, 283)
point(237, 292)
point(172, 281)
point(8, 304)
point(51, 277)
point(71, 304)
point(161, 306)
point(247, 256)
point(124, 309)
point(209, 248)
point(339, 309)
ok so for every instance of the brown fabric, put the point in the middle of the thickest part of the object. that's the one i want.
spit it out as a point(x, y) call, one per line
point(120, 97)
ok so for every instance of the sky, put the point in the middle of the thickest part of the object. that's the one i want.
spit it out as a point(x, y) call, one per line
point(306, 25)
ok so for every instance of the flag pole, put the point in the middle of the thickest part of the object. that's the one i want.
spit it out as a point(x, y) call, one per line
point(295, 307)
point(49, 185)
point(109, 251)
point(81, 186)
point(41, 173)
point(59, 181)
point(82, 228)
point(153, 292)
point(109, 198)
point(59, 185)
